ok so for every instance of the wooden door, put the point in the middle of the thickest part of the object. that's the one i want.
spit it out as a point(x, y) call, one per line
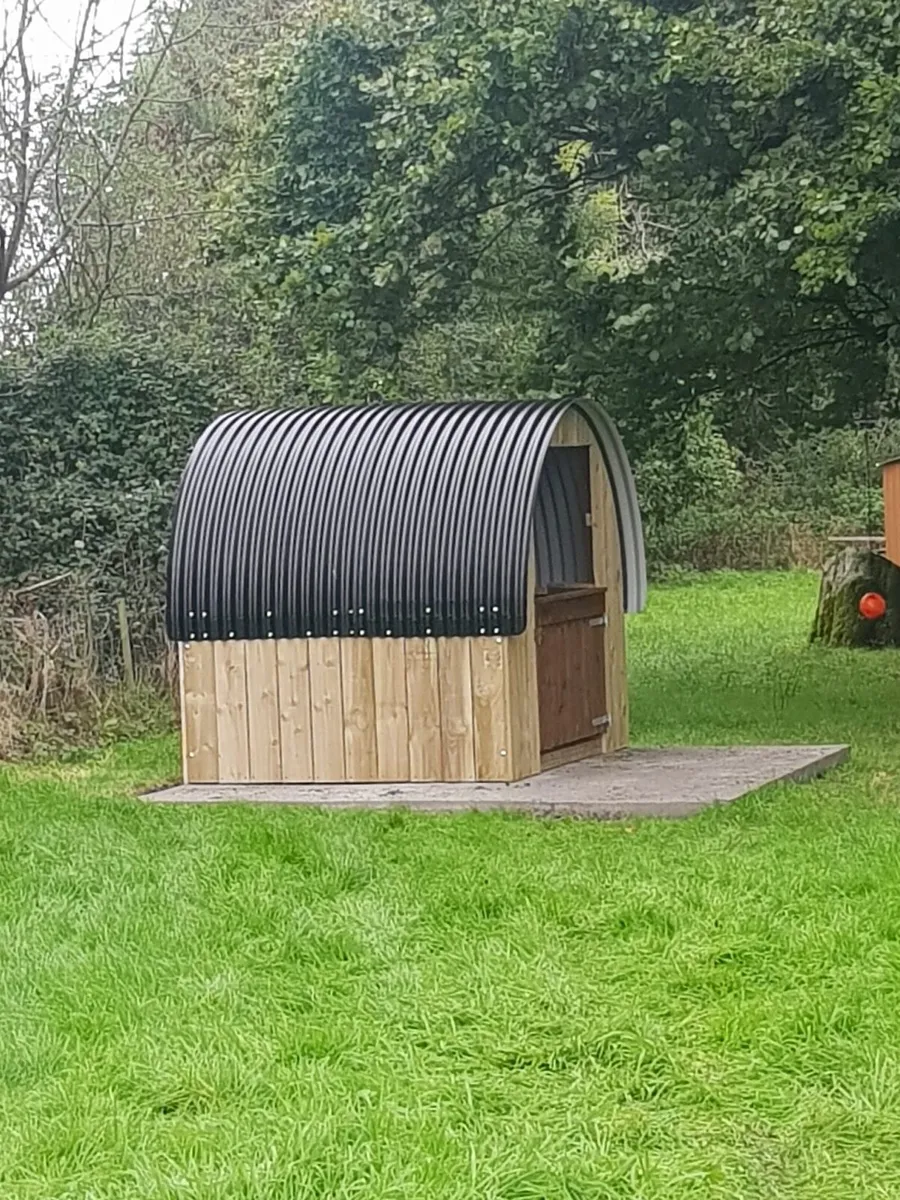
point(570, 629)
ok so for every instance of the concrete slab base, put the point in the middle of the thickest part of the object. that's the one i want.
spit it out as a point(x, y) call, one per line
point(674, 782)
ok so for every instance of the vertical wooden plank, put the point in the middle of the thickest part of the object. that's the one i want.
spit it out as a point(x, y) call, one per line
point(490, 690)
point(326, 709)
point(424, 704)
point(358, 686)
point(231, 712)
point(891, 488)
point(294, 704)
point(558, 687)
point(199, 738)
point(262, 710)
point(522, 705)
point(522, 698)
point(391, 718)
point(187, 718)
point(608, 574)
point(457, 731)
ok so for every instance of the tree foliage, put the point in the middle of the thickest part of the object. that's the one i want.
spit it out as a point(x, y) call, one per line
point(59, 153)
point(748, 152)
point(140, 258)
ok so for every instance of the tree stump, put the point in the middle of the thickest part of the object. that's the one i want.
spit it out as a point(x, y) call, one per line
point(846, 577)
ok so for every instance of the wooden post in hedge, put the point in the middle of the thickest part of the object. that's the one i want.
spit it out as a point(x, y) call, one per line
point(125, 638)
point(853, 570)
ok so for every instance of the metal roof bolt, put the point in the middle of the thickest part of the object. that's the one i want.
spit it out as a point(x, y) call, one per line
point(271, 634)
point(387, 633)
point(231, 633)
point(482, 631)
point(334, 633)
point(360, 611)
point(309, 633)
point(269, 612)
point(481, 608)
point(334, 612)
point(204, 614)
point(362, 633)
point(191, 613)
point(206, 635)
point(427, 632)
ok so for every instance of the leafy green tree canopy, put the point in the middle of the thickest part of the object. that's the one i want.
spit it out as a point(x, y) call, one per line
point(747, 153)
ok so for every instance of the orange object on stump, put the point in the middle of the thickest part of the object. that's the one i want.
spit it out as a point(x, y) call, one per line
point(872, 606)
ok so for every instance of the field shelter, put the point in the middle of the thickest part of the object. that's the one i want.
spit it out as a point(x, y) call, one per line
point(408, 592)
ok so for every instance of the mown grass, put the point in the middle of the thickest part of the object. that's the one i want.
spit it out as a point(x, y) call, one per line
point(237, 1003)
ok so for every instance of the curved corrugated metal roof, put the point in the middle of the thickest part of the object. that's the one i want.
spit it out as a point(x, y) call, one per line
point(384, 520)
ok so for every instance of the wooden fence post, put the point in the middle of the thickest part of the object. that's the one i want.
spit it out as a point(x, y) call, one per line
point(125, 636)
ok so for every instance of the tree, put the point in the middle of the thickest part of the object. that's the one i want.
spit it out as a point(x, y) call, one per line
point(57, 162)
point(752, 153)
point(140, 257)
point(138, 260)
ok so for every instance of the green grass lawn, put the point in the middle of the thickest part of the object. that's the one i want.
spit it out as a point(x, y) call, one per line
point(236, 1003)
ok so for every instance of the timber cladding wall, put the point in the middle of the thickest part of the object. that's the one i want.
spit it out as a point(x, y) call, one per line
point(890, 475)
point(359, 594)
point(339, 709)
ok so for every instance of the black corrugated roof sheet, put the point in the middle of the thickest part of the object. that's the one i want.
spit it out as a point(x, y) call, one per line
point(381, 520)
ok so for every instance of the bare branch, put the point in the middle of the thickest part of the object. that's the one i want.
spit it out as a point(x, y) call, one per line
point(12, 240)
point(40, 128)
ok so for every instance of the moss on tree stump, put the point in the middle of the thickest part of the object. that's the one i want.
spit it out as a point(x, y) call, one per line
point(846, 577)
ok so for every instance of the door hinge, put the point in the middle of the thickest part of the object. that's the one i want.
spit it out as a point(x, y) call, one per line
point(601, 722)
point(595, 621)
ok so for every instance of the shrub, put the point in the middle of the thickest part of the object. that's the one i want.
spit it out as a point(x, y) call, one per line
point(773, 513)
point(97, 434)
